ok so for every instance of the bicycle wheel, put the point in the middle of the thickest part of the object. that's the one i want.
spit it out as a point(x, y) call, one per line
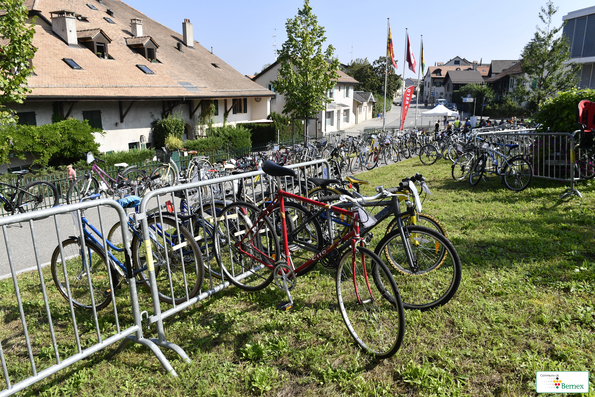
point(421, 220)
point(433, 277)
point(304, 235)
point(72, 267)
point(372, 159)
point(357, 162)
point(518, 174)
point(340, 223)
point(167, 176)
point(428, 154)
point(37, 195)
point(82, 187)
point(586, 166)
point(175, 257)
point(404, 151)
point(249, 246)
point(477, 170)
point(137, 182)
point(462, 166)
point(371, 307)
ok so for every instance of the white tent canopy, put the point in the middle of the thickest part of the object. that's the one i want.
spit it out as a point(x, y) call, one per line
point(440, 110)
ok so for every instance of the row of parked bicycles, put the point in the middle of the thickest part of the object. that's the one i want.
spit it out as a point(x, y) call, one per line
point(282, 225)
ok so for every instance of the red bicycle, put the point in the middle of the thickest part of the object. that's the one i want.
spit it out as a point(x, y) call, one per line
point(251, 257)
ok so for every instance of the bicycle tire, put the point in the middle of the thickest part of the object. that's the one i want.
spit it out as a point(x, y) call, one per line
point(422, 220)
point(371, 307)
point(341, 223)
point(357, 163)
point(257, 262)
point(167, 176)
point(586, 166)
point(176, 259)
point(428, 154)
point(518, 174)
point(74, 261)
point(372, 159)
point(37, 195)
point(462, 166)
point(82, 187)
point(135, 181)
point(434, 277)
point(304, 234)
point(477, 170)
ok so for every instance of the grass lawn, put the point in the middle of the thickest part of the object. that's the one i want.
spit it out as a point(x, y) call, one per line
point(525, 304)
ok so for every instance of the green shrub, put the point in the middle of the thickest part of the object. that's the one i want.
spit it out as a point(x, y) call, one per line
point(379, 106)
point(237, 138)
point(559, 114)
point(505, 108)
point(205, 145)
point(173, 142)
point(131, 157)
point(173, 124)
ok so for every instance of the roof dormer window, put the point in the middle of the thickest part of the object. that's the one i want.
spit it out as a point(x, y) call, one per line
point(95, 40)
point(145, 46)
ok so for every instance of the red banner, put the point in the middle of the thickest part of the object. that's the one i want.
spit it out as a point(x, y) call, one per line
point(405, 104)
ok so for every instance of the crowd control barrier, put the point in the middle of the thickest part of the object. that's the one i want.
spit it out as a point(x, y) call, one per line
point(33, 341)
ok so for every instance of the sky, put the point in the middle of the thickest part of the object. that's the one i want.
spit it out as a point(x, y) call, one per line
point(244, 33)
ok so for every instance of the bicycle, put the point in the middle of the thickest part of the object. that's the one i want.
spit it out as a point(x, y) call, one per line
point(34, 195)
point(129, 180)
point(370, 306)
point(86, 268)
point(515, 172)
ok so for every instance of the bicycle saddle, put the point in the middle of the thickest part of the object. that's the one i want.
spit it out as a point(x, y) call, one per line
point(324, 182)
point(273, 169)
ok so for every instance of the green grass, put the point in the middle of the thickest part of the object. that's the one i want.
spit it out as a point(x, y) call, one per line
point(525, 304)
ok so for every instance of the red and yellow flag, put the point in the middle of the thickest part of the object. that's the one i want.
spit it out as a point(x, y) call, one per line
point(390, 52)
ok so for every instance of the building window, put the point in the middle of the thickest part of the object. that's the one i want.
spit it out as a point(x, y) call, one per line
point(457, 62)
point(94, 118)
point(101, 50)
point(270, 87)
point(132, 145)
point(26, 118)
point(91, 6)
point(346, 116)
point(145, 69)
point(240, 106)
point(151, 54)
point(329, 118)
point(72, 64)
point(331, 93)
point(216, 103)
point(109, 20)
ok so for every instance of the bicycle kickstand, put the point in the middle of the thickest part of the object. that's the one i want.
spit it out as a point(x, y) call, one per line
point(285, 279)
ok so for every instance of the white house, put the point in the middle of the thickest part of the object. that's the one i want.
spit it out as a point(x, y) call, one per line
point(580, 31)
point(339, 114)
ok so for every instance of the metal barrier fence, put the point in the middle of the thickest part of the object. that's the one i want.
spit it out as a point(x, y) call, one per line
point(552, 155)
point(45, 332)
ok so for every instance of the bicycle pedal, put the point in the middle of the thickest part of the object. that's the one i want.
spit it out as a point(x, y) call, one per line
point(285, 306)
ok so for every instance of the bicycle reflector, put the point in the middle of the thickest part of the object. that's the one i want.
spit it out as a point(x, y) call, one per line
point(170, 207)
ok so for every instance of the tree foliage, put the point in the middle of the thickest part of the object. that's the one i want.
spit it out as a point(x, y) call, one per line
point(306, 71)
point(371, 77)
point(559, 113)
point(16, 52)
point(481, 92)
point(173, 124)
point(543, 60)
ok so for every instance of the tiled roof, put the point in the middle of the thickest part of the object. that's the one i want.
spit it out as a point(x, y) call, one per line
point(139, 41)
point(363, 96)
point(500, 65)
point(90, 34)
point(513, 70)
point(465, 76)
point(483, 69)
point(204, 74)
point(343, 77)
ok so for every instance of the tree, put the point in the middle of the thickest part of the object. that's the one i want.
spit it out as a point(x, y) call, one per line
point(371, 77)
point(483, 94)
point(306, 71)
point(543, 60)
point(16, 52)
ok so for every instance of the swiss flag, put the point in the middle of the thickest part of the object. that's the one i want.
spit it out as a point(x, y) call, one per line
point(410, 57)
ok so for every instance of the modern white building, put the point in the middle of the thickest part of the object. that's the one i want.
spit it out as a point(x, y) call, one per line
point(580, 31)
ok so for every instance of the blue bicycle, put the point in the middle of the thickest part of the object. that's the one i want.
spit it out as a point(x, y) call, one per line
point(90, 267)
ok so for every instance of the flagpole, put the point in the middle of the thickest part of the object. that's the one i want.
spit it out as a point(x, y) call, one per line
point(403, 81)
point(421, 59)
point(385, 76)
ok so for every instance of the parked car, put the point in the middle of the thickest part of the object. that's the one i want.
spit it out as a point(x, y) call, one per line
point(452, 106)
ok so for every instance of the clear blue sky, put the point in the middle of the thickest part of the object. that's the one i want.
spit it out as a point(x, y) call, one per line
point(242, 33)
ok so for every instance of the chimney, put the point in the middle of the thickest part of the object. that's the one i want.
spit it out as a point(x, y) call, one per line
point(64, 25)
point(474, 65)
point(136, 26)
point(188, 34)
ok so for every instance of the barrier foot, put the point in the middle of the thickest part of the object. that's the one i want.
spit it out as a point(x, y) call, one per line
point(570, 192)
point(174, 347)
point(151, 345)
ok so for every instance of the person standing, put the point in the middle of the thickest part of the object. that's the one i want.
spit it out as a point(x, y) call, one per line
point(437, 126)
